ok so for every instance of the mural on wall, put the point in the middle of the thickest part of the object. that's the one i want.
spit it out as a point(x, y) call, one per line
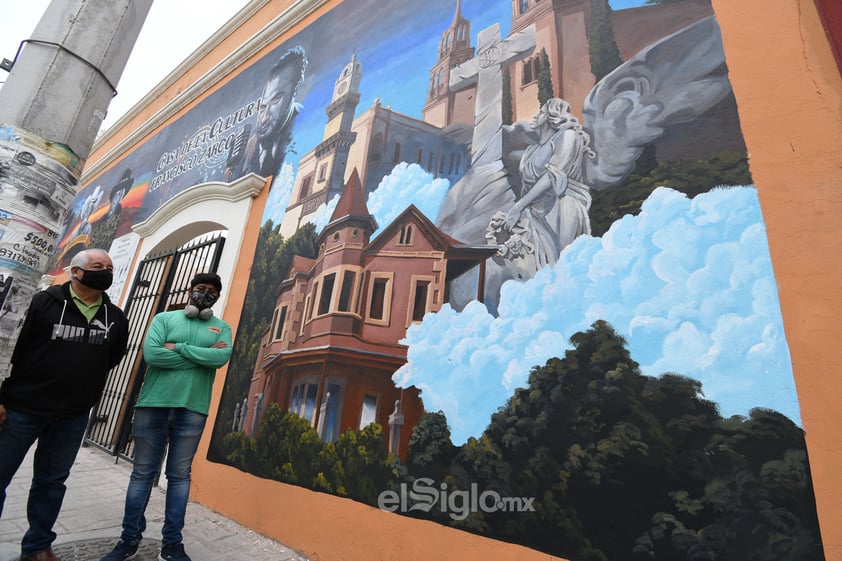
point(512, 277)
point(234, 132)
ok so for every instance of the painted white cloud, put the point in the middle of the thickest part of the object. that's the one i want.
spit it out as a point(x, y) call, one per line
point(279, 195)
point(688, 283)
point(406, 184)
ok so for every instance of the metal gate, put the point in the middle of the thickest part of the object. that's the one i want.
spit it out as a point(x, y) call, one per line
point(161, 284)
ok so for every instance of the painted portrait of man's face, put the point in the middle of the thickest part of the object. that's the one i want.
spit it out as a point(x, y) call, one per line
point(278, 96)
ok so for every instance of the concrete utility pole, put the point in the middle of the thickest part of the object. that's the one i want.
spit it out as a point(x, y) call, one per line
point(51, 108)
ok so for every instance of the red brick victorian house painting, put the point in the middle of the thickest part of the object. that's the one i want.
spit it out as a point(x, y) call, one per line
point(333, 345)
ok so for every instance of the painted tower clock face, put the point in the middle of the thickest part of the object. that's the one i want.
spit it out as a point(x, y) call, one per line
point(341, 88)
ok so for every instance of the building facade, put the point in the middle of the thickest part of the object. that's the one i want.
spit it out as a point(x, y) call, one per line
point(334, 341)
point(372, 144)
point(788, 93)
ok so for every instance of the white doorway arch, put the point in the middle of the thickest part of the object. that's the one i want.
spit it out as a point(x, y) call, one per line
point(196, 211)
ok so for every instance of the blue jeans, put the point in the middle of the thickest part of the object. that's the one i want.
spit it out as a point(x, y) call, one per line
point(58, 443)
point(152, 429)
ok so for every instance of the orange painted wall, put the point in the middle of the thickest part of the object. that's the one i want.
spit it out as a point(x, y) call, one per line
point(789, 94)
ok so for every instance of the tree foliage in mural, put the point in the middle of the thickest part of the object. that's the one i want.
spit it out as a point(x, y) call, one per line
point(602, 45)
point(622, 466)
point(690, 177)
point(289, 450)
point(272, 259)
point(506, 101)
point(545, 78)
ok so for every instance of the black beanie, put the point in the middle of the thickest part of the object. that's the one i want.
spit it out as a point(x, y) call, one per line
point(207, 278)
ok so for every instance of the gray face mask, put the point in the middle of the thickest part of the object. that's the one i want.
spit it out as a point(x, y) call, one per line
point(202, 299)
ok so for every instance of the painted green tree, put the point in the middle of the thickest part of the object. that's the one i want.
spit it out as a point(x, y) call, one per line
point(602, 45)
point(690, 177)
point(545, 78)
point(627, 466)
point(272, 260)
point(617, 466)
point(288, 449)
point(506, 102)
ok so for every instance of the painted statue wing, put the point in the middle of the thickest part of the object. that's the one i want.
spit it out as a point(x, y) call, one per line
point(670, 82)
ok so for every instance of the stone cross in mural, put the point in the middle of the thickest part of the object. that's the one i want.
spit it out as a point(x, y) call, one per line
point(486, 71)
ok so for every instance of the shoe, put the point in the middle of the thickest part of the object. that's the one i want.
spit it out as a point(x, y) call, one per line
point(173, 552)
point(46, 555)
point(122, 551)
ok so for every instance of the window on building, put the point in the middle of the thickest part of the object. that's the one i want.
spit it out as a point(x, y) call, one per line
point(527, 72)
point(368, 414)
point(310, 299)
point(524, 5)
point(327, 293)
point(329, 417)
point(279, 327)
point(375, 153)
point(419, 302)
point(405, 234)
point(379, 301)
point(322, 171)
point(420, 157)
point(348, 279)
point(306, 185)
point(396, 156)
point(303, 402)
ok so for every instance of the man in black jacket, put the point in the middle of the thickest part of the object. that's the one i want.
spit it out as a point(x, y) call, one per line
point(71, 337)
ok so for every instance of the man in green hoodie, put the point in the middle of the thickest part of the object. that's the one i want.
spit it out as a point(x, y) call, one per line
point(182, 349)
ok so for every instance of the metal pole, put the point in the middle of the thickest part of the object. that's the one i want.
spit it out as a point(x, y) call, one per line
point(51, 107)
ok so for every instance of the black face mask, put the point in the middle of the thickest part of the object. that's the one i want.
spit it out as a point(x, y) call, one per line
point(202, 299)
point(98, 280)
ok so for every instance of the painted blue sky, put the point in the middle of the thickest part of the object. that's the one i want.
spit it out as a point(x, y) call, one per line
point(396, 59)
point(397, 53)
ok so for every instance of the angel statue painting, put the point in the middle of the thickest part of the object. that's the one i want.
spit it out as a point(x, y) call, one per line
point(552, 204)
point(528, 191)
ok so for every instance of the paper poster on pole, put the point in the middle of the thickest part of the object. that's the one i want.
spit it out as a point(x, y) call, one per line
point(38, 182)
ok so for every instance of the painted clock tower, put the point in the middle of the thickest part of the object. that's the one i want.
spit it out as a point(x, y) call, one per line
point(332, 153)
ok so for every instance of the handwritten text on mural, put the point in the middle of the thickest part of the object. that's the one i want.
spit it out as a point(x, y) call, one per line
point(205, 146)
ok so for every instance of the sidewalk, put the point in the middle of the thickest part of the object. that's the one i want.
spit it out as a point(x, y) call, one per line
point(89, 523)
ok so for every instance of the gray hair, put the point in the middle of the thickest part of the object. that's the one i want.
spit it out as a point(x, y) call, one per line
point(82, 258)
